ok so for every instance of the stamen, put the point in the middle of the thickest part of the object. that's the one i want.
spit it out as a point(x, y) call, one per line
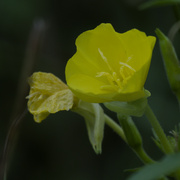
point(107, 75)
point(105, 60)
point(116, 80)
point(122, 72)
point(128, 66)
point(129, 58)
point(102, 55)
point(100, 74)
point(40, 97)
point(31, 95)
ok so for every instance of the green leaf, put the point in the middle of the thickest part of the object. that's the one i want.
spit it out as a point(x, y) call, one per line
point(134, 108)
point(155, 3)
point(166, 166)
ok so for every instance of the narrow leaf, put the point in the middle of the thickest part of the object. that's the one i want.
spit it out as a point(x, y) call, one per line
point(166, 166)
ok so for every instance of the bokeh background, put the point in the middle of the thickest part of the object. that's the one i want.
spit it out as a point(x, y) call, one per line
point(40, 36)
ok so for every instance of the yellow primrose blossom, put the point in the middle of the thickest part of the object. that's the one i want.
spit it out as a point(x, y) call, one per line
point(48, 94)
point(110, 66)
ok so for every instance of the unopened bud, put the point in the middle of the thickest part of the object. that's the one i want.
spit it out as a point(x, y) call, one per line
point(171, 63)
point(131, 132)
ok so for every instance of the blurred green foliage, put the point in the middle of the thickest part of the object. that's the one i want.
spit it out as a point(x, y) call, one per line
point(59, 148)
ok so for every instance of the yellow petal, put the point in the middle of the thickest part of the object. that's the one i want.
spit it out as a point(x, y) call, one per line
point(46, 82)
point(84, 85)
point(138, 47)
point(39, 117)
point(48, 94)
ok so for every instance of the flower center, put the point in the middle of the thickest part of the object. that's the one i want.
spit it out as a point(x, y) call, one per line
point(116, 80)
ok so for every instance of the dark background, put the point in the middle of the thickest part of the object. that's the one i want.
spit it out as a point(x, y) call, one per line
point(58, 148)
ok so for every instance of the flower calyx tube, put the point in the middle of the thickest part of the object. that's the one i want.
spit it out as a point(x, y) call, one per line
point(133, 108)
point(95, 120)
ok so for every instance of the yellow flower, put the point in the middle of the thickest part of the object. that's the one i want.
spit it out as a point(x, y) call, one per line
point(110, 66)
point(48, 94)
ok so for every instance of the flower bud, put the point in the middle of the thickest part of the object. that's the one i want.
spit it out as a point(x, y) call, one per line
point(171, 63)
point(131, 132)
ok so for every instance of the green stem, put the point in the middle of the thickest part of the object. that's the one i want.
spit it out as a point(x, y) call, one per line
point(143, 155)
point(158, 130)
point(112, 124)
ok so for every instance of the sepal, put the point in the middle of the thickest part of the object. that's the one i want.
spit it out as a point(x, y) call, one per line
point(133, 108)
